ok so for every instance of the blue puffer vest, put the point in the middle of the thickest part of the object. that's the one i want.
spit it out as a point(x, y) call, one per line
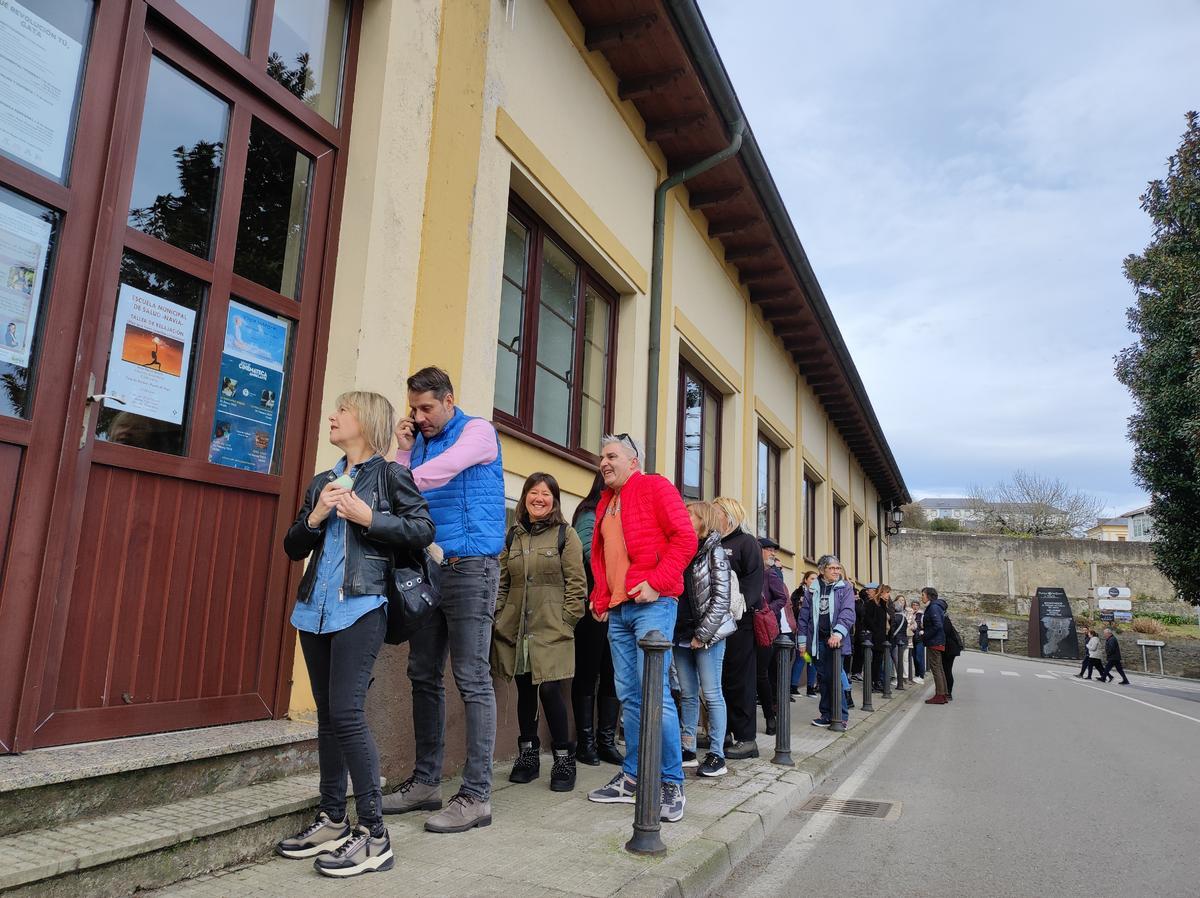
point(469, 510)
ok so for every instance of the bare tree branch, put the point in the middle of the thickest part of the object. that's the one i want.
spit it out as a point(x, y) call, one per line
point(1033, 505)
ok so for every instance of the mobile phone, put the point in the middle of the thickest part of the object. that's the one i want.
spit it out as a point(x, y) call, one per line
point(345, 482)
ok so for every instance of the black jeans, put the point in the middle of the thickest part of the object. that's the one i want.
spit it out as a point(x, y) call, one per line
point(765, 682)
point(339, 668)
point(553, 704)
point(877, 664)
point(1108, 669)
point(948, 669)
point(739, 680)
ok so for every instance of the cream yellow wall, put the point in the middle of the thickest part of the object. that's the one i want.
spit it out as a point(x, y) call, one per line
point(839, 465)
point(775, 378)
point(813, 429)
point(379, 245)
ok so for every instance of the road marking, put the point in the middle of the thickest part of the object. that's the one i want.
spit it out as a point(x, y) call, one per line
point(1009, 673)
point(779, 878)
point(1130, 698)
point(1046, 676)
point(974, 670)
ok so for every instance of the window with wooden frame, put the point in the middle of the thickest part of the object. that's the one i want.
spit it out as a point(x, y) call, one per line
point(858, 526)
point(556, 347)
point(838, 508)
point(698, 436)
point(810, 517)
point(767, 498)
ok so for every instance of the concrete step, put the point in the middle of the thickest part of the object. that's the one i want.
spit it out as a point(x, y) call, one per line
point(54, 786)
point(118, 854)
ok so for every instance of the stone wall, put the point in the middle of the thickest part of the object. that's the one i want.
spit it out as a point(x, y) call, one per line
point(998, 574)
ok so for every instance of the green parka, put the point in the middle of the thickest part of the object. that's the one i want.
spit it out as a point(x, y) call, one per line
point(541, 596)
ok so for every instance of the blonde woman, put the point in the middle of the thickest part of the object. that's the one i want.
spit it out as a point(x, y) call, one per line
point(739, 677)
point(341, 613)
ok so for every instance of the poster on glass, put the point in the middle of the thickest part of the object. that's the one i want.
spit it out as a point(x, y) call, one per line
point(150, 355)
point(39, 67)
point(249, 390)
point(24, 243)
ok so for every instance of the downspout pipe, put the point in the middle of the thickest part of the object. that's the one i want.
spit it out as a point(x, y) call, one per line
point(738, 131)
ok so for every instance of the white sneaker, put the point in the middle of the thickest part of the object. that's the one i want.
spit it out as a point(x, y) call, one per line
point(918, 679)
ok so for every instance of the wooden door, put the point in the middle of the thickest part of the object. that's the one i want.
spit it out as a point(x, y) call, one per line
point(164, 602)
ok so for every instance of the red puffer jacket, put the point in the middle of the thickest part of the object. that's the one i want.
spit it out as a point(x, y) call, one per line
point(658, 537)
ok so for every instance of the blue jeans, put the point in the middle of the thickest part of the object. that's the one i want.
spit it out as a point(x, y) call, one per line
point(627, 623)
point(700, 672)
point(919, 658)
point(798, 671)
point(460, 626)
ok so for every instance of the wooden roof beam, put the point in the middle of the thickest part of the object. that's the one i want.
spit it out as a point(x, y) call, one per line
point(644, 85)
point(704, 199)
point(750, 251)
point(771, 294)
point(748, 275)
point(657, 130)
point(730, 226)
point(602, 37)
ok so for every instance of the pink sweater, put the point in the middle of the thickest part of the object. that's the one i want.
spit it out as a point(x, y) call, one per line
point(476, 445)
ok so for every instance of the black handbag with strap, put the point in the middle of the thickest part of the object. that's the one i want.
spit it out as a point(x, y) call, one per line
point(413, 588)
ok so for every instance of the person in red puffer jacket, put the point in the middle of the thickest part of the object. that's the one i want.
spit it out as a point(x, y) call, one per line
point(642, 542)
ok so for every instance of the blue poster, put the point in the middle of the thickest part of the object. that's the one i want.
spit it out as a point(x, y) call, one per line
point(249, 390)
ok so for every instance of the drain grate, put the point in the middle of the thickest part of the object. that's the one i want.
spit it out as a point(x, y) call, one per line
point(852, 807)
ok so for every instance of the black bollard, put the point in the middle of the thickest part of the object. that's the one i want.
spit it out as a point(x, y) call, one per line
point(648, 802)
point(900, 647)
point(866, 680)
point(887, 668)
point(785, 651)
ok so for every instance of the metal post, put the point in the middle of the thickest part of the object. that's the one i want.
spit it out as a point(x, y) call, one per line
point(648, 802)
point(1161, 672)
point(1145, 663)
point(785, 651)
point(900, 647)
point(866, 680)
point(887, 667)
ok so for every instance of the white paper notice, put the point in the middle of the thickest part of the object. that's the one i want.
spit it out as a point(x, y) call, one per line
point(150, 354)
point(24, 241)
point(39, 66)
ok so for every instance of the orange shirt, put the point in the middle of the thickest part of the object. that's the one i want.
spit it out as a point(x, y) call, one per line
point(616, 555)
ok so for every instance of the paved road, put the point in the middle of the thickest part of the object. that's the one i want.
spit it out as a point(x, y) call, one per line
point(1030, 784)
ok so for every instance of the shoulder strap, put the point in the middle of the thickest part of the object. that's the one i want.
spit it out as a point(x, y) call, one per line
point(381, 499)
point(509, 537)
point(562, 538)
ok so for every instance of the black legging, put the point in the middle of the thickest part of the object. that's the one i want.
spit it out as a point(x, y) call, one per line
point(739, 680)
point(948, 670)
point(593, 660)
point(764, 661)
point(877, 664)
point(553, 703)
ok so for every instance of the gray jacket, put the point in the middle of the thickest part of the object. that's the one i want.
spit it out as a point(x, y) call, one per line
point(705, 601)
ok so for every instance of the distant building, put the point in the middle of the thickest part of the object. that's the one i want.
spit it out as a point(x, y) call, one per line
point(1110, 530)
point(1135, 526)
point(971, 517)
point(1141, 525)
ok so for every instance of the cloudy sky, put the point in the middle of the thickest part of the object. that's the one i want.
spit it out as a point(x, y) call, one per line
point(965, 178)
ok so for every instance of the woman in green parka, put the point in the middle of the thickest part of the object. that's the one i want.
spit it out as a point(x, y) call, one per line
point(542, 591)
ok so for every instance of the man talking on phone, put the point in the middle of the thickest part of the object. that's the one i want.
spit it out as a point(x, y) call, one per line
point(455, 461)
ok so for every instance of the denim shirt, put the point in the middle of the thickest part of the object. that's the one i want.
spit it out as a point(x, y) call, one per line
point(328, 610)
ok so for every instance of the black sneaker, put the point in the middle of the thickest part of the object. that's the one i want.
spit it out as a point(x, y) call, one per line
point(528, 765)
point(323, 836)
point(362, 853)
point(821, 721)
point(714, 765)
point(689, 759)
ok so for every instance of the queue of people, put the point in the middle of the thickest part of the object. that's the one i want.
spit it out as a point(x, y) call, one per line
point(535, 603)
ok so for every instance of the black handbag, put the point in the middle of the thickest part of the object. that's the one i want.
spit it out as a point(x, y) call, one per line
point(413, 590)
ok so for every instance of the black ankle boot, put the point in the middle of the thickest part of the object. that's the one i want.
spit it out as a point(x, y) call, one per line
point(606, 731)
point(585, 731)
point(562, 774)
point(528, 765)
point(772, 726)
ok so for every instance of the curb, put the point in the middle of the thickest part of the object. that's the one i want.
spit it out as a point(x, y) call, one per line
point(696, 869)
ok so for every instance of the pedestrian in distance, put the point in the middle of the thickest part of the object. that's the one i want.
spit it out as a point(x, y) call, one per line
point(739, 677)
point(935, 643)
point(593, 693)
point(1090, 639)
point(540, 600)
point(954, 648)
point(898, 635)
point(703, 622)
point(918, 632)
point(455, 461)
point(341, 614)
point(1112, 650)
point(643, 542)
point(775, 598)
point(983, 637)
point(875, 622)
point(802, 671)
point(825, 623)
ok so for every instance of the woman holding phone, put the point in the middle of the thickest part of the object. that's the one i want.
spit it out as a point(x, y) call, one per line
point(341, 613)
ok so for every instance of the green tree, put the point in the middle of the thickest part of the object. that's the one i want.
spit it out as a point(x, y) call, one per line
point(1162, 369)
point(945, 525)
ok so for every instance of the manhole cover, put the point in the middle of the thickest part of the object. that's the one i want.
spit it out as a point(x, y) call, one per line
point(852, 807)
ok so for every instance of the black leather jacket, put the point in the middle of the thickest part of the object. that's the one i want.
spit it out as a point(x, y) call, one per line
point(705, 602)
point(405, 530)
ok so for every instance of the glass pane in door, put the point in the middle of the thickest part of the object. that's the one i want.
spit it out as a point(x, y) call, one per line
point(308, 42)
point(270, 243)
point(177, 179)
point(228, 18)
point(28, 232)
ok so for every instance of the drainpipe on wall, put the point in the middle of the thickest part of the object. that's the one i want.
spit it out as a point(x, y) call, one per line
point(656, 279)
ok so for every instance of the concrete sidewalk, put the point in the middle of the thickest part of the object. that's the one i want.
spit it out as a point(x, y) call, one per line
point(544, 843)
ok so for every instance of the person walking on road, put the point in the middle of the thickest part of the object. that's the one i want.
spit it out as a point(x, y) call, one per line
point(826, 621)
point(739, 677)
point(593, 693)
point(699, 645)
point(1112, 649)
point(1095, 654)
point(983, 637)
point(643, 542)
point(935, 643)
point(455, 461)
point(341, 614)
point(539, 603)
